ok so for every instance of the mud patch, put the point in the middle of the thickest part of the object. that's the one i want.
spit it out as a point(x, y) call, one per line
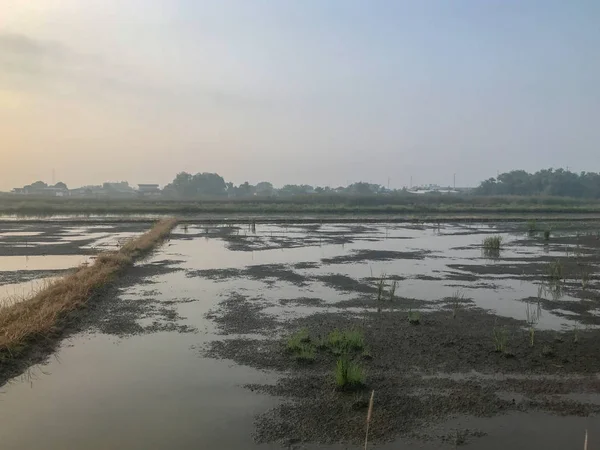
point(374, 255)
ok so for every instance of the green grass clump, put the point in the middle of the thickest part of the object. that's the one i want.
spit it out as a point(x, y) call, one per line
point(555, 271)
point(492, 243)
point(500, 339)
point(342, 342)
point(298, 341)
point(457, 298)
point(348, 374)
point(306, 353)
point(547, 234)
point(414, 317)
point(531, 226)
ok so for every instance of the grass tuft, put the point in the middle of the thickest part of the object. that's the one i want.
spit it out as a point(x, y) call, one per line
point(342, 342)
point(547, 234)
point(457, 298)
point(500, 339)
point(297, 341)
point(414, 317)
point(492, 243)
point(348, 374)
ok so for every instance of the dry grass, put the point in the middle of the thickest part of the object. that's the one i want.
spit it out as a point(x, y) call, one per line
point(38, 315)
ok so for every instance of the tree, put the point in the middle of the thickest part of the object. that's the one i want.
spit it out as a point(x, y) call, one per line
point(38, 185)
point(61, 185)
point(264, 188)
point(544, 182)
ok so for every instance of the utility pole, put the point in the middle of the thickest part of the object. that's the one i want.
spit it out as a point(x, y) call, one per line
point(454, 181)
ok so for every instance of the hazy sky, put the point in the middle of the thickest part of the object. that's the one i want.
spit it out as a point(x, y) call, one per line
point(297, 91)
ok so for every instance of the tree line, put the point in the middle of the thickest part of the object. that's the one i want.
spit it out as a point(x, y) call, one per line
point(547, 182)
point(186, 185)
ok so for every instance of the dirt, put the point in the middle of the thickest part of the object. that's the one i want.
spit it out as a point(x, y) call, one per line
point(406, 369)
point(373, 255)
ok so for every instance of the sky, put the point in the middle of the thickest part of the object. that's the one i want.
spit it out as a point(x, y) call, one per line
point(322, 92)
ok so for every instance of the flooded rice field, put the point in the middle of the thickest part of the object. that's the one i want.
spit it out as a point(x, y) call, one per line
point(193, 347)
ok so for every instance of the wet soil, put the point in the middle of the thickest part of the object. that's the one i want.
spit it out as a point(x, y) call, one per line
point(410, 368)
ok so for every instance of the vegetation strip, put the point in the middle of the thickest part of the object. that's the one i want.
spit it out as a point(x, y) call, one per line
point(38, 316)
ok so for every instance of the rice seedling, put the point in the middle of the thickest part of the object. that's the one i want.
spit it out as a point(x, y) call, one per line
point(547, 234)
point(555, 271)
point(533, 317)
point(457, 298)
point(576, 333)
point(531, 226)
point(414, 317)
point(492, 246)
point(348, 374)
point(380, 288)
point(393, 290)
point(342, 342)
point(500, 339)
point(305, 353)
point(492, 242)
point(297, 341)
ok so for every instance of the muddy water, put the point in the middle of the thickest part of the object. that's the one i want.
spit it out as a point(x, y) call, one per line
point(158, 391)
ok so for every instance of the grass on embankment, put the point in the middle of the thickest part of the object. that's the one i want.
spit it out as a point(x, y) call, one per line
point(36, 317)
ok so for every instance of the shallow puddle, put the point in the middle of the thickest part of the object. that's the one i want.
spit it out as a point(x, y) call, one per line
point(48, 262)
point(158, 390)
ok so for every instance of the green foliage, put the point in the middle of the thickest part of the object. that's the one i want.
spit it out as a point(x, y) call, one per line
point(546, 182)
point(555, 271)
point(342, 342)
point(457, 298)
point(305, 353)
point(547, 234)
point(531, 226)
point(348, 374)
point(298, 341)
point(500, 339)
point(492, 243)
point(414, 317)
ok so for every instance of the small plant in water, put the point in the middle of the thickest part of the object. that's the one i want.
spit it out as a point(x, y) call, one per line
point(500, 339)
point(393, 290)
point(576, 333)
point(457, 299)
point(533, 317)
point(547, 234)
point(492, 242)
point(555, 271)
point(348, 374)
point(380, 288)
point(531, 226)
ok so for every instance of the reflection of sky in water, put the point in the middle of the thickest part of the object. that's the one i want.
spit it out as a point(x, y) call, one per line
point(502, 293)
